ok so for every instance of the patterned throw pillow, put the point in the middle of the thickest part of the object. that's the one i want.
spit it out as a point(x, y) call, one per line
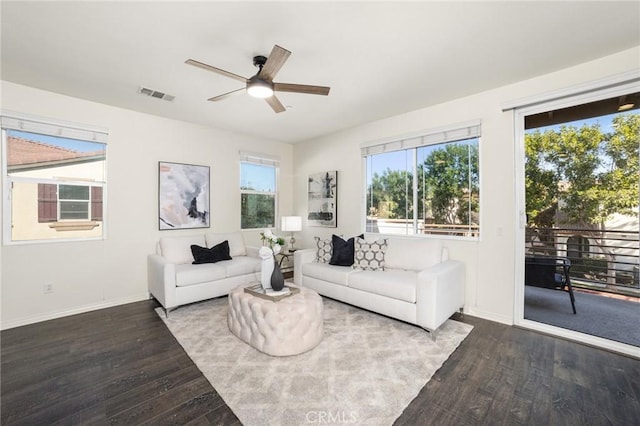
point(369, 256)
point(323, 250)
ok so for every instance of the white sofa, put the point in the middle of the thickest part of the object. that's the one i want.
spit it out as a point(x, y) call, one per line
point(419, 283)
point(174, 281)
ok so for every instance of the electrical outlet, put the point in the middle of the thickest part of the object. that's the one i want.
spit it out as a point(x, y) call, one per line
point(48, 288)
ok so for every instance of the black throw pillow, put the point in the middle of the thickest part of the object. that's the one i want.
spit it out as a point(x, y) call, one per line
point(343, 251)
point(210, 255)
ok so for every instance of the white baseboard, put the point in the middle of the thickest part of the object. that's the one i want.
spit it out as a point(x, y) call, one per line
point(73, 311)
point(491, 316)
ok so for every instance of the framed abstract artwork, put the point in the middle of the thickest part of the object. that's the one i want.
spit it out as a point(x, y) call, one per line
point(183, 196)
point(323, 199)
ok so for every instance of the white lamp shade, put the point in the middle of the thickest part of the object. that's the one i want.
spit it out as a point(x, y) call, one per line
point(291, 223)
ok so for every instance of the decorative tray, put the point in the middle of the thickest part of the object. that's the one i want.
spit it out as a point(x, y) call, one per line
point(275, 296)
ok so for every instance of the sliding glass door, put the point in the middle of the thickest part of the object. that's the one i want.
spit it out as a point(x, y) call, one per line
point(578, 195)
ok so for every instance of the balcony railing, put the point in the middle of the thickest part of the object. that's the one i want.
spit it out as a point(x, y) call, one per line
point(419, 227)
point(606, 260)
point(600, 259)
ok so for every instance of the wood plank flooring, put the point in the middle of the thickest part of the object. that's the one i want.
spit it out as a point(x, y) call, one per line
point(122, 366)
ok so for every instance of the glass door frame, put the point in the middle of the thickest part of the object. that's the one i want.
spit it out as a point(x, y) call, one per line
point(519, 114)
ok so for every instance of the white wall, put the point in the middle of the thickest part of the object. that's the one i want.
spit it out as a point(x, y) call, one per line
point(93, 274)
point(90, 275)
point(490, 261)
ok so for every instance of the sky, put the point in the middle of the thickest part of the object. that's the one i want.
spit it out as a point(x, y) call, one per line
point(605, 122)
point(258, 177)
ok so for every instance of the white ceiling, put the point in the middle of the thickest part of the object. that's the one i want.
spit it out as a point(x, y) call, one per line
point(380, 58)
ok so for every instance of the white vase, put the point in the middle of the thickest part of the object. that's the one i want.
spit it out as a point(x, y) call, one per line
point(266, 268)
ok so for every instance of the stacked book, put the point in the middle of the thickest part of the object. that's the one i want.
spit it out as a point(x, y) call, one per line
point(271, 292)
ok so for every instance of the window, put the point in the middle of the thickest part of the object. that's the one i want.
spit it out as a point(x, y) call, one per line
point(258, 191)
point(424, 185)
point(55, 176)
point(69, 202)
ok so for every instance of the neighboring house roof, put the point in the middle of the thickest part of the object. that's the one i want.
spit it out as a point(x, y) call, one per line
point(28, 154)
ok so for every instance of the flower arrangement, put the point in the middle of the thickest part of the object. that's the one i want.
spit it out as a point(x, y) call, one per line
point(273, 242)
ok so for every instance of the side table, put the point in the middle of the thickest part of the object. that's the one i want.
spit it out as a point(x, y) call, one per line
point(285, 261)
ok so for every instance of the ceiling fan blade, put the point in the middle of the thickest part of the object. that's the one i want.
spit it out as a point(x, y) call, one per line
point(276, 60)
point(224, 95)
point(214, 69)
point(301, 88)
point(275, 104)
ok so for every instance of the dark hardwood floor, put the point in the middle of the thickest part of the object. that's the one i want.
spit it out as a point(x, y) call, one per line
point(122, 366)
point(502, 375)
point(113, 366)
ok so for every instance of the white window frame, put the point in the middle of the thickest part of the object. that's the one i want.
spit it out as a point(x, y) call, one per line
point(263, 160)
point(436, 136)
point(10, 120)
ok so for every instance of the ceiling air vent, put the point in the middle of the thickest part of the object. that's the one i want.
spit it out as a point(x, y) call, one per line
point(155, 94)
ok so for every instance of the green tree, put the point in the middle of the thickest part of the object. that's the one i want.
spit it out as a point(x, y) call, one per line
point(623, 168)
point(389, 194)
point(541, 183)
point(581, 176)
point(450, 183)
point(583, 173)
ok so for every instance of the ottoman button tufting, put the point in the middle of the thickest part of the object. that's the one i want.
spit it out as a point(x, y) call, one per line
point(290, 326)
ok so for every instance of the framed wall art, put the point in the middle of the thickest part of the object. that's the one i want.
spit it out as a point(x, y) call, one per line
point(323, 199)
point(183, 196)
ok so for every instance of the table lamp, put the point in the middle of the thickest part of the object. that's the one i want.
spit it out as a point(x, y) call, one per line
point(291, 224)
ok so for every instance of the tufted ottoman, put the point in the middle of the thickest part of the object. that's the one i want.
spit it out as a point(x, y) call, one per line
point(290, 326)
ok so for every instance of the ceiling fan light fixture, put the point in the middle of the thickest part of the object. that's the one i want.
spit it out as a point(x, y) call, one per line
point(261, 85)
point(259, 88)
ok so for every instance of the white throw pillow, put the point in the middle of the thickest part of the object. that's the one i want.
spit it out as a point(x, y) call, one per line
point(178, 249)
point(369, 256)
point(324, 250)
point(414, 254)
point(236, 242)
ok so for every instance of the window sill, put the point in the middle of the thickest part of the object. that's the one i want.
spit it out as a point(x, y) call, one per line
point(74, 226)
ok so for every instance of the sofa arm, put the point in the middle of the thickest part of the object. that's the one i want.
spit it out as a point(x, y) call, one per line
point(161, 276)
point(301, 257)
point(440, 293)
point(253, 251)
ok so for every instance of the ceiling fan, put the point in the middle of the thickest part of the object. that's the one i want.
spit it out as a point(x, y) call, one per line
point(262, 85)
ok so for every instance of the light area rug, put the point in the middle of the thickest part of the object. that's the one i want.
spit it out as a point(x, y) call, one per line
point(366, 370)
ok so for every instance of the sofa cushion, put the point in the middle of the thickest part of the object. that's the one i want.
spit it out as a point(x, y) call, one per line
point(214, 254)
point(187, 274)
point(236, 242)
point(400, 285)
point(178, 249)
point(323, 250)
point(324, 271)
point(342, 250)
point(369, 255)
point(414, 254)
point(242, 265)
